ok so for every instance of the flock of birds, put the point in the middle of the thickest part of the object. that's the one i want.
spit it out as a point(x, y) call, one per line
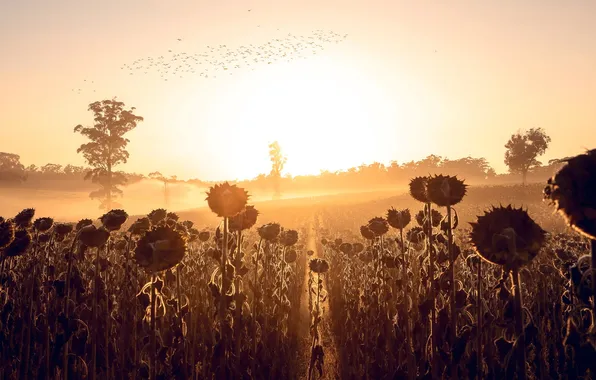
point(221, 60)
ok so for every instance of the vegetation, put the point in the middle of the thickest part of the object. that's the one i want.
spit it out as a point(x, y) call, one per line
point(408, 294)
point(278, 161)
point(523, 149)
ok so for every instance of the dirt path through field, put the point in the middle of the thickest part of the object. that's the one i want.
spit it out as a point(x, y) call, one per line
point(330, 369)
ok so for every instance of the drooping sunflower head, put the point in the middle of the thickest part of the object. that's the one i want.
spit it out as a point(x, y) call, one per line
point(140, 226)
point(172, 216)
point(19, 245)
point(378, 226)
point(398, 219)
point(157, 216)
point(269, 231)
point(159, 249)
point(43, 224)
point(573, 192)
point(346, 248)
point(418, 189)
point(415, 235)
point(289, 237)
point(507, 236)
point(244, 220)
point(83, 223)
point(24, 218)
point(63, 229)
point(445, 190)
point(318, 265)
point(357, 248)
point(204, 236)
point(366, 232)
point(6, 232)
point(113, 219)
point(226, 200)
point(92, 236)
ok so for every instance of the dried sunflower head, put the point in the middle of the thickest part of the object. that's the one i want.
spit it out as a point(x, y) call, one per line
point(366, 232)
point(6, 232)
point(172, 216)
point(114, 219)
point(415, 235)
point(573, 192)
point(398, 219)
point(269, 231)
point(318, 266)
point(83, 223)
point(159, 249)
point(157, 215)
point(19, 245)
point(140, 226)
point(357, 248)
point(226, 200)
point(204, 236)
point(23, 219)
point(244, 220)
point(418, 189)
point(445, 190)
point(43, 224)
point(290, 256)
point(346, 248)
point(378, 226)
point(289, 238)
point(507, 236)
point(188, 224)
point(92, 236)
point(63, 228)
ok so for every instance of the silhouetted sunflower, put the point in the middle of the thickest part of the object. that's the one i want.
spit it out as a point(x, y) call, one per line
point(114, 219)
point(507, 236)
point(83, 223)
point(288, 237)
point(346, 248)
point(204, 236)
point(436, 217)
point(63, 228)
point(43, 224)
point(140, 226)
point(318, 265)
point(92, 236)
point(6, 232)
point(159, 249)
point(23, 219)
point(357, 248)
point(445, 190)
point(226, 200)
point(157, 215)
point(366, 232)
point(19, 244)
point(378, 226)
point(269, 231)
point(244, 220)
point(418, 189)
point(290, 255)
point(172, 216)
point(573, 192)
point(188, 224)
point(398, 219)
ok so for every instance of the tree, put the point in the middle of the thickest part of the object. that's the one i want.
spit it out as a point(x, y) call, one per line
point(523, 149)
point(11, 168)
point(278, 161)
point(107, 147)
point(160, 177)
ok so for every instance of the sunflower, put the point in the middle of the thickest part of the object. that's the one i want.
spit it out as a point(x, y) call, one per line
point(92, 236)
point(289, 238)
point(83, 223)
point(290, 256)
point(445, 190)
point(415, 235)
point(114, 219)
point(140, 226)
point(418, 189)
point(507, 236)
point(159, 249)
point(43, 224)
point(436, 217)
point(378, 226)
point(172, 216)
point(398, 219)
point(204, 236)
point(23, 219)
point(572, 190)
point(366, 232)
point(357, 248)
point(6, 232)
point(157, 215)
point(244, 220)
point(269, 231)
point(318, 266)
point(226, 200)
point(63, 229)
point(19, 245)
point(346, 248)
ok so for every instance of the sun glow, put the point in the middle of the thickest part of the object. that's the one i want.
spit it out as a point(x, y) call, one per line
point(317, 109)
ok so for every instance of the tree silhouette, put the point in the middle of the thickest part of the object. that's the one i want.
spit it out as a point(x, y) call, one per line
point(523, 149)
point(107, 147)
point(278, 160)
point(160, 177)
point(11, 168)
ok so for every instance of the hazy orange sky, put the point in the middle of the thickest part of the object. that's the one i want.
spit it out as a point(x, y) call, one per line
point(453, 78)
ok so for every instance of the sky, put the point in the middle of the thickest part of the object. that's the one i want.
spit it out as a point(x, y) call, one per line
point(411, 78)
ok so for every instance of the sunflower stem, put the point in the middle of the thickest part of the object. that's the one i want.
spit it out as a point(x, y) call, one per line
point(254, 311)
point(479, 317)
point(519, 325)
point(593, 251)
point(153, 338)
point(453, 330)
point(222, 304)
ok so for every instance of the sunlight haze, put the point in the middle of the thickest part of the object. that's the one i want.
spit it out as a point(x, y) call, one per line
point(410, 79)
